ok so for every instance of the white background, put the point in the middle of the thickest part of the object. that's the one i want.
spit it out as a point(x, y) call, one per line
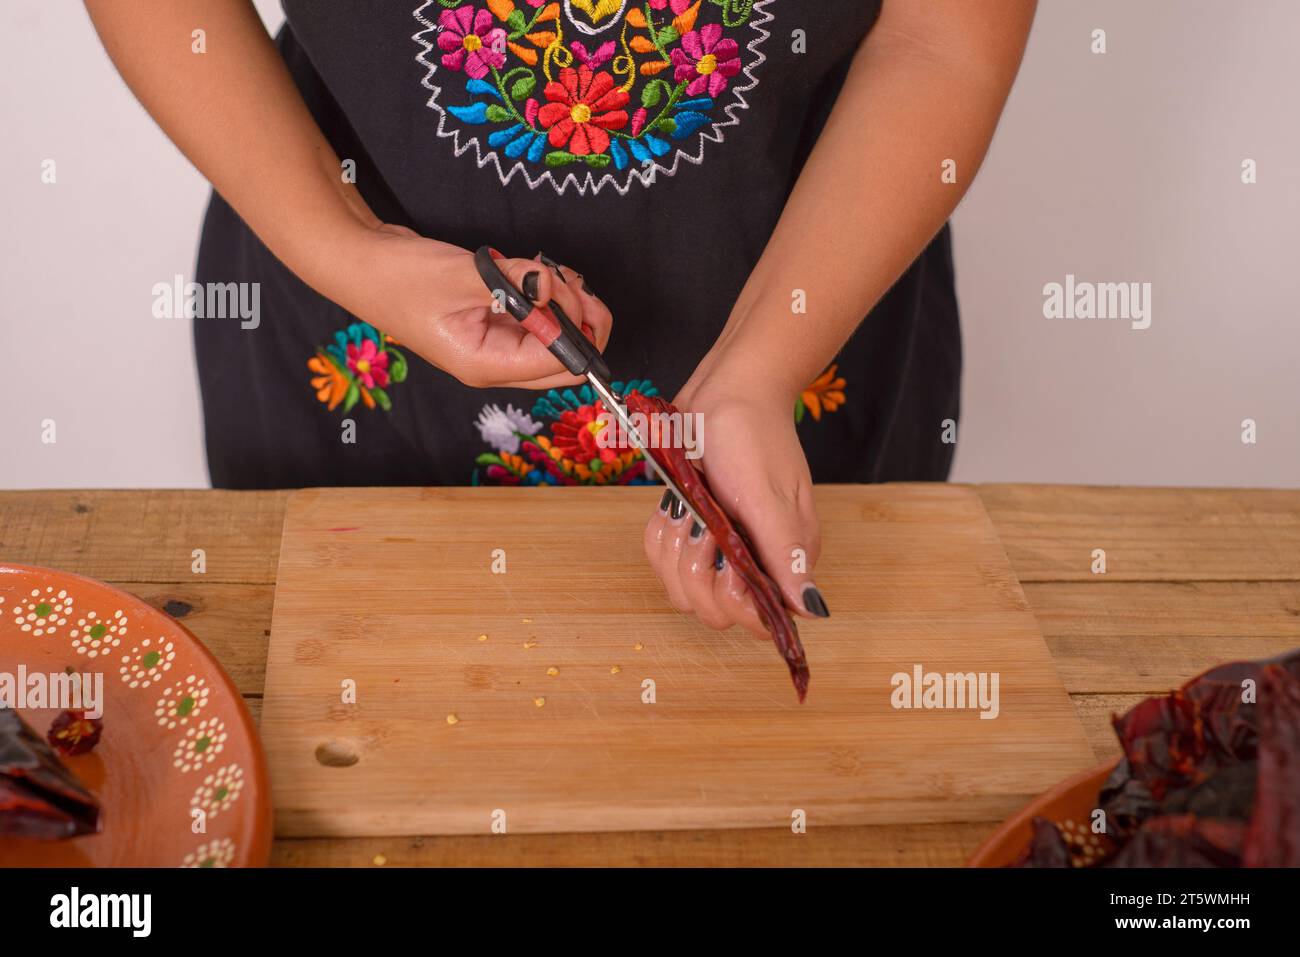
point(1122, 167)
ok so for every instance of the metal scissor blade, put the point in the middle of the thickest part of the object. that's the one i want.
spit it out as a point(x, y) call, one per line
point(615, 405)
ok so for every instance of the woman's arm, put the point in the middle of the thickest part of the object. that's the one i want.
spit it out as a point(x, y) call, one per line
point(927, 85)
point(235, 112)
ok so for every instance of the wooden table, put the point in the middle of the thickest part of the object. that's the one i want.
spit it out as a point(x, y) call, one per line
point(1193, 577)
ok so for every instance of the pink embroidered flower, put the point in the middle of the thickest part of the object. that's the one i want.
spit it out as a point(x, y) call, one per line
point(469, 42)
point(594, 60)
point(581, 107)
point(679, 6)
point(368, 364)
point(705, 61)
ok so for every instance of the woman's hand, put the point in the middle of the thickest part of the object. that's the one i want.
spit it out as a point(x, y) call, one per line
point(429, 296)
point(236, 109)
point(759, 475)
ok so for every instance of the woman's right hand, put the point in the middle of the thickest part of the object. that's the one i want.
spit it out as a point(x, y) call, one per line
point(425, 294)
point(429, 296)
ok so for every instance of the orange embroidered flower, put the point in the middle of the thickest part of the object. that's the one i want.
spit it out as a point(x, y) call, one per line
point(330, 383)
point(825, 393)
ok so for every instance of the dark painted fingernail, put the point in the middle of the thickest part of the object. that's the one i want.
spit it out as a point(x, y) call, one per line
point(679, 509)
point(718, 560)
point(666, 501)
point(548, 261)
point(813, 601)
point(696, 529)
point(530, 285)
point(588, 290)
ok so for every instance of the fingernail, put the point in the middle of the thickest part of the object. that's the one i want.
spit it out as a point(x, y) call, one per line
point(588, 290)
point(530, 285)
point(718, 560)
point(665, 501)
point(813, 601)
point(548, 261)
point(696, 529)
point(679, 509)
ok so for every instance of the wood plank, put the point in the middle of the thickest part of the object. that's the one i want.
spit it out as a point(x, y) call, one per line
point(917, 845)
point(390, 588)
point(1140, 637)
point(1148, 534)
point(1095, 712)
point(1124, 637)
point(145, 536)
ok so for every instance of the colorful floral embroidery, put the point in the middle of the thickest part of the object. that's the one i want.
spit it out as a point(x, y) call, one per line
point(825, 394)
point(358, 366)
point(592, 85)
point(570, 455)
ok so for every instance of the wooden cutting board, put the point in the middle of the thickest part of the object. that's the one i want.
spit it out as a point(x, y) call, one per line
point(389, 592)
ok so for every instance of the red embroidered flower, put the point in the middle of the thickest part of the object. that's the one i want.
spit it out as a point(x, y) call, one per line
point(575, 435)
point(368, 364)
point(583, 105)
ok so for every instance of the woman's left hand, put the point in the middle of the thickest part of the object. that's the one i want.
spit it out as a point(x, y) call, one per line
point(759, 475)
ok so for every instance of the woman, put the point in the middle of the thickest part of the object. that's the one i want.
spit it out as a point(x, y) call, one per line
point(738, 182)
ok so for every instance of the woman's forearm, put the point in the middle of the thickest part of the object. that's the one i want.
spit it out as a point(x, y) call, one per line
point(234, 111)
point(927, 86)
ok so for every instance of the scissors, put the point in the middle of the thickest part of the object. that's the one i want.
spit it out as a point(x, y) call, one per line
point(551, 326)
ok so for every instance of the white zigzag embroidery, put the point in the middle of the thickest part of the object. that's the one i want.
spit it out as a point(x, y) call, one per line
point(588, 182)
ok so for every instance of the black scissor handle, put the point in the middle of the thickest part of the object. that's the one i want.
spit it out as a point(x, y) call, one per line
point(549, 324)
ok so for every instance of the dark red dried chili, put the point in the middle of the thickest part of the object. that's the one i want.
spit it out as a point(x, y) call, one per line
point(733, 542)
point(1273, 839)
point(1047, 848)
point(1210, 774)
point(39, 797)
point(73, 733)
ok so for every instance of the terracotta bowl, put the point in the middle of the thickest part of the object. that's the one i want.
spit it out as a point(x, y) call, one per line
point(1069, 805)
point(177, 737)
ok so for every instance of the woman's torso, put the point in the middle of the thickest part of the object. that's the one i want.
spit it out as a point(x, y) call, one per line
point(658, 168)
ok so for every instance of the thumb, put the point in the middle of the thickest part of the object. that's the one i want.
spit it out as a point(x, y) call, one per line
point(787, 537)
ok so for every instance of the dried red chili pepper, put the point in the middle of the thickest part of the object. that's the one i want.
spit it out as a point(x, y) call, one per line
point(1047, 847)
point(73, 733)
point(1183, 840)
point(1209, 776)
point(733, 542)
point(1273, 838)
point(39, 797)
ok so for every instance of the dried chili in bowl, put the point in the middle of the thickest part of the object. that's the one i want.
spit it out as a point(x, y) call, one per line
point(1210, 775)
point(39, 797)
point(74, 733)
